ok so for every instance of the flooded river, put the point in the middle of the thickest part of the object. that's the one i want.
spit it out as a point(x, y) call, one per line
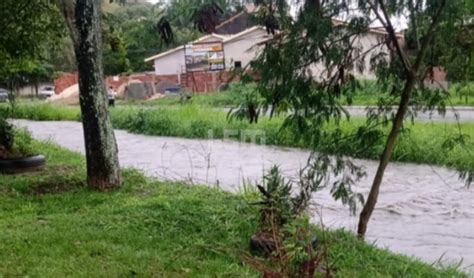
point(423, 211)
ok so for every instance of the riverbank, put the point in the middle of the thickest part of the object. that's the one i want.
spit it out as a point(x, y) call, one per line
point(53, 226)
point(226, 99)
point(368, 95)
point(416, 198)
point(423, 142)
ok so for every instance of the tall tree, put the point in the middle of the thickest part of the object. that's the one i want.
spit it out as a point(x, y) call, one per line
point(28, 26)
point(83, 18)
point(308, 84)
point(134, 32)
point(413, 68)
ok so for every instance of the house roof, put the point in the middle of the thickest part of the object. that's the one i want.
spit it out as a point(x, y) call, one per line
point(381, 30)
point(377, 30)
point(230, 20)
point(166, 53)
point(243, 33)
point(240, 21)
point(223, 38)
point(181, 47)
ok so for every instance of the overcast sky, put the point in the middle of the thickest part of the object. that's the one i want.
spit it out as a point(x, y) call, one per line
point(400, 23)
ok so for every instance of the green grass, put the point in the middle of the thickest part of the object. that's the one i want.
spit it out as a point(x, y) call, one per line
point(368, 94)
point(147, 228)
point(52, 225)
point(364, 99)
point(222, 99)
point(41, 111)
point(227, 99)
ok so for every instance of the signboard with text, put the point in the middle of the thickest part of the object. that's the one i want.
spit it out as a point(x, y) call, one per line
point(208, 56)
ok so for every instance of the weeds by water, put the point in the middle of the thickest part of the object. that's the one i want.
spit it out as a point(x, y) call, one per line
point(369, 93)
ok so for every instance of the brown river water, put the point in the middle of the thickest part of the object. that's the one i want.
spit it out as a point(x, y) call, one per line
point(423, 211)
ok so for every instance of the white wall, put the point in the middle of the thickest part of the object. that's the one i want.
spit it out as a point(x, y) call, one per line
point(367, 43)
point(30, 90)
point(234, 50)
point(170, 64)
point(238, 49)
point(243, 49)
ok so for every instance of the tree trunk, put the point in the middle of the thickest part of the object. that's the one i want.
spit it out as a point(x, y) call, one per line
point(386, 155)
point(36, 88)
point(412, 75)
point(103, 169)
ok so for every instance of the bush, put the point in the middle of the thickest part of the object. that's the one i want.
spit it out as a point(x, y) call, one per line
point(6, 135)
point(23, 143)
point(463, 92)
point(200, 129)
point(44, 112)
point(159, 124)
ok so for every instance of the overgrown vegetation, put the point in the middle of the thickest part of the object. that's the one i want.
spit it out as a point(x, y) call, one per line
point(419, 142)
point(21, 145)
point(27, 27)
point(308, 84)
point(53, 225)
point(463, 94)
point(367, 93)
point(221, 99)
point(285, 238)
point(135, 32)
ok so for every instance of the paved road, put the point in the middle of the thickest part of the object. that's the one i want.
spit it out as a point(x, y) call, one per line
point(423, 211)
point(463, 114)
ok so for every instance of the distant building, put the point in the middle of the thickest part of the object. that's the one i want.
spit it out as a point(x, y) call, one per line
point(239, 50)
point(238, 40)
point(238, 34)
point(239, 22)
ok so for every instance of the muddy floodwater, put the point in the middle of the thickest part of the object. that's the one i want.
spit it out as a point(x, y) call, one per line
point(423, 211)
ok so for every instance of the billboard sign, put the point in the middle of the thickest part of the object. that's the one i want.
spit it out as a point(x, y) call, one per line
point(207, 56)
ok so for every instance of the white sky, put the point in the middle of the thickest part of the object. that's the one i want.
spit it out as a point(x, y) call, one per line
point(399, 23)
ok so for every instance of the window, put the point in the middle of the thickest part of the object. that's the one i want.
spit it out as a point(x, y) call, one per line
point(238, 64)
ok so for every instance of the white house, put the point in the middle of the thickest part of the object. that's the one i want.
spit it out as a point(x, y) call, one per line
point(238, 50)
point(369, 44)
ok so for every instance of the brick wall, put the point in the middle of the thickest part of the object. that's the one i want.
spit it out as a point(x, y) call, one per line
point(65, 81)
point(437, 74)
point(203, 82)
point(192, 82)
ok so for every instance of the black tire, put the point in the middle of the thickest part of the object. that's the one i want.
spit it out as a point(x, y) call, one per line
point(22, 164)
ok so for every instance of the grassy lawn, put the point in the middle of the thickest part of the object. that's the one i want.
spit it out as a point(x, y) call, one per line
point(53, 226)
point(228, 99)
point(420, 143)
point(223, 99)
point(368, 94)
